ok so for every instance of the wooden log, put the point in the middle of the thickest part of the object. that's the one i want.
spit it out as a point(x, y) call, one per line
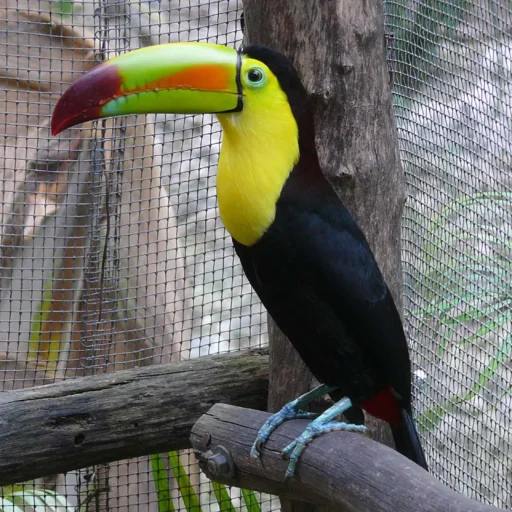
point(98, 419)
point(340, 470)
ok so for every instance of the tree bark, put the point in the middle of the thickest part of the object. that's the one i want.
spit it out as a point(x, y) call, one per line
point(341, 470)
point(338, 48)
point(98, 419)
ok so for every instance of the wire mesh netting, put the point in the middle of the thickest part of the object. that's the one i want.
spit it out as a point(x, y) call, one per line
point(113, 255)
point(112, 252)
point(452, 72)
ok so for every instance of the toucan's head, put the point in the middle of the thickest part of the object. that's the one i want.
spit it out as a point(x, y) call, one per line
point(185, 78)
point(256, 95)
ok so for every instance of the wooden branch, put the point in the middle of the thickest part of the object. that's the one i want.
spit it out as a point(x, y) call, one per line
point(342, 470)
point(94, 420)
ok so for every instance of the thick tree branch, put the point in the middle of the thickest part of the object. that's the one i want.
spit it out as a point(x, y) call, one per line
point(342, 470)
point(98, 419)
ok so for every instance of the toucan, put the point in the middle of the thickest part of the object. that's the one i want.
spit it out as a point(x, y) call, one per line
point(300, 248)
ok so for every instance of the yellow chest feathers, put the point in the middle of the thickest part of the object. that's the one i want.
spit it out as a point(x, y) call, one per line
point(259, 150)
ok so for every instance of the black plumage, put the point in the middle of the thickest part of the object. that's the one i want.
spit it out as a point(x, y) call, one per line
point(316, 275)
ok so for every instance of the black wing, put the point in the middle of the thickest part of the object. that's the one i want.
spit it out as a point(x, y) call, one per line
point(315, 263)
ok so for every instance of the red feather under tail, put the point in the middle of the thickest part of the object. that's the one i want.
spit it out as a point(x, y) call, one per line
point(384, 405)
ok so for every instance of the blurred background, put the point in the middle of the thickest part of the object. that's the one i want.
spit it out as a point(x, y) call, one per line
point(112, 253)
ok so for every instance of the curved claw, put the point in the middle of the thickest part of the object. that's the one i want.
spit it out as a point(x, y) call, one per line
point(294, 450)
point(256, 448)
point(288, 412)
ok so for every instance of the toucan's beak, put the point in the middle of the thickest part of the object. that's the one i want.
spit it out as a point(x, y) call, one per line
point(180, 78)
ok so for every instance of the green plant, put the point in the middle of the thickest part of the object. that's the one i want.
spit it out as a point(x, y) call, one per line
point(186, 490)
point(26, 498)
point(63, 8)
point(466, 291)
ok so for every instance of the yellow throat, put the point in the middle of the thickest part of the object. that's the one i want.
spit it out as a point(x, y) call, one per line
point(260, 147)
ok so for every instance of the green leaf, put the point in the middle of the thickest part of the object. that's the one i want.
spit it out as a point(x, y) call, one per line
point(63, 7)
point(250, 500)
point(31, 500)
point(223, 498)
point(161, 481)
point(8, 506)
point(189, 496)
point(502, 355)
point(432, 417)
point(24, 498)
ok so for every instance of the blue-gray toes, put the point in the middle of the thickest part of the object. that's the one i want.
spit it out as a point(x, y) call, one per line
point(292, 410)
point(316, 428)
point(322, 424)
point(288, 412)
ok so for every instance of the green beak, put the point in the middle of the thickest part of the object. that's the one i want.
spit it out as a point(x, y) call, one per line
point(180, 78)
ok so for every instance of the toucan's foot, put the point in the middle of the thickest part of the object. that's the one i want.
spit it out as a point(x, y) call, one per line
point(290, 411)
point(324, 423)
point(294, 450)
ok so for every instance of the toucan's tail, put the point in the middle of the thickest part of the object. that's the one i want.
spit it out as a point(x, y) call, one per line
point(407, 440)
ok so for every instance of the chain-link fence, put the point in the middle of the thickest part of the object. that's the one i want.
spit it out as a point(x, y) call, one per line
point(112, 253)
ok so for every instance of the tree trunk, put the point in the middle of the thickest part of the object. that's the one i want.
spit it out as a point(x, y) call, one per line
point(338, 48)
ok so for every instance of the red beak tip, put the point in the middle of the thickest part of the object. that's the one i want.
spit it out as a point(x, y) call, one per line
point(56, 126)
point(82, 101)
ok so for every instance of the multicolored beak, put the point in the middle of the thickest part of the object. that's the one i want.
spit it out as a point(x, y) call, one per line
point(179, 78)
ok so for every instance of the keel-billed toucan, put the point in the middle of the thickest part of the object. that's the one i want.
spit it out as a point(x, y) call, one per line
point(299, 246)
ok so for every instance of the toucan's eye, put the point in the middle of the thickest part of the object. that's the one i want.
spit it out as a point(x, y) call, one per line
point(256, 77)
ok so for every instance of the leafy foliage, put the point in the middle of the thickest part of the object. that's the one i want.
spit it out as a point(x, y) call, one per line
point(186, 490)
point(26, 498)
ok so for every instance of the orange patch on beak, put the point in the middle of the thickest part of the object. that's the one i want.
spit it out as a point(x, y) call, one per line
point(209, 77)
